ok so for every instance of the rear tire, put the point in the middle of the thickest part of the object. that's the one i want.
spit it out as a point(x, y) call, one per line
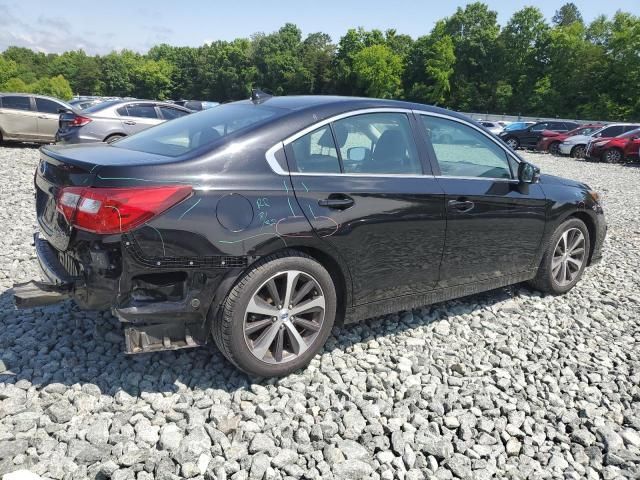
point(113, 138)
point(560, 270)
point(554, 149)
point(260, 334)
point(579, 151)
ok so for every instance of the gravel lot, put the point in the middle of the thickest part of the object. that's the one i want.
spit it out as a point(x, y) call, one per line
point(508, 384)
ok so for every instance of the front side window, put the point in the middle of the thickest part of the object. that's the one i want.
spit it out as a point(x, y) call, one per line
point(16, 102)
point(316, 152)
point(44, 105)
point(462, 151)
point(539, 127)
point(612, 131)
point(377, 143)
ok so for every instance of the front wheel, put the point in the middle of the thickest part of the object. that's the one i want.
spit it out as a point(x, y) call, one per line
point(579, 151)
point(512, 143)
point(612, 155)
point(278, 315)
point(565, 258)
point(554, 149)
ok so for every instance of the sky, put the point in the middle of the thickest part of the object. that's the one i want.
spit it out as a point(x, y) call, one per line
point(100, 27)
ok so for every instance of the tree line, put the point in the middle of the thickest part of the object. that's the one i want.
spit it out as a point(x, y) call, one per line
point(468, 62)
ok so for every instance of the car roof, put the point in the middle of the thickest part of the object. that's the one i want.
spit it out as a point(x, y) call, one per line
point(300, 103)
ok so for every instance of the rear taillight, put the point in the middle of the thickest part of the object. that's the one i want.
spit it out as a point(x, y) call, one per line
point(117, 210)
point(79, 121)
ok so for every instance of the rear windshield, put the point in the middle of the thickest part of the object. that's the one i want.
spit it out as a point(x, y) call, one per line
point(101, 106)
point(183, 135)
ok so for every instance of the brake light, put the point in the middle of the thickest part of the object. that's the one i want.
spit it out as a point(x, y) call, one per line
point(117, 210)
point(79, 121)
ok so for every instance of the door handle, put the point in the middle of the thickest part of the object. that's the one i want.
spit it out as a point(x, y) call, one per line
point(129, 122)
point(461, 205)
point(338, 202)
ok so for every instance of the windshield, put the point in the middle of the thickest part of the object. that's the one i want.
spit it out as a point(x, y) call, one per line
point(516, 126)
point(101, 106)
point(632, 133)
point(183, 135)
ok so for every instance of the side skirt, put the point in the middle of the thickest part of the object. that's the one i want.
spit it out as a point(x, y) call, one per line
point(375, 309)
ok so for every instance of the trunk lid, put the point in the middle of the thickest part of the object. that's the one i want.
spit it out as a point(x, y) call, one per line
point(80, 166)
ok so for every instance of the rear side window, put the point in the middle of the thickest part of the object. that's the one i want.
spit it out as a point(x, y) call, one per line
point(539, 127)
point(556, 126)
point(191, 132)
point(462, 151)
point(16, 102)
point(169, 113)
point(141, 111)
point(44, 105)
point(316, 152)
point(377, 143)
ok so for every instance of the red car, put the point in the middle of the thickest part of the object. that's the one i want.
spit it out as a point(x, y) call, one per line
point(625, 147)
point(550, 140)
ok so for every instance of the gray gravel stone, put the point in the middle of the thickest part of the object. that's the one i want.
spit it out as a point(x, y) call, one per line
point(505, 384)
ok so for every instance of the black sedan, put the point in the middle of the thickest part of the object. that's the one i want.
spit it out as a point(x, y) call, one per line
point(528, 136)
point(263, 223)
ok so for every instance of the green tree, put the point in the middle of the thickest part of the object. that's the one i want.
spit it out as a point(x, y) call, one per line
point(57, 86)
point(8, 69)
point(568, 14)
point(378, 71)
point(15, 85)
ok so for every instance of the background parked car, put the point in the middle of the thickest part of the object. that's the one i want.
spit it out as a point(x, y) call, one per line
point(550, 140)
point(576, 145)
point(29, 118)
point(625, 147)
point(528, 137)
point(493, 127)
point(83, 103)
point(195, 105)
point(112, 120)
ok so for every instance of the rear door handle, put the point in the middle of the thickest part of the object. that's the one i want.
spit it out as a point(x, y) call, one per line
point(461, 205)
point(338, 202)
point(129, 122)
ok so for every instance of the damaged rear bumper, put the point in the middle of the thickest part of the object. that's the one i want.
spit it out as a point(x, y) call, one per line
point(58, 283)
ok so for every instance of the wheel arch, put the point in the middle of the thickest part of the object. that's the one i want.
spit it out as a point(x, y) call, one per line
point(591, 228)
point(341, 278)
point(114, 134)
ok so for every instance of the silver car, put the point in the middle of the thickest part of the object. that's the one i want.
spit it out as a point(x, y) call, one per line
point(111, 120)
point(29, 118)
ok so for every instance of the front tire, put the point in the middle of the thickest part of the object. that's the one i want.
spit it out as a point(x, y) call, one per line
point(579, 151)
point(554, 149)
point(565, 258)
point(612, 155)
point(277, 316)
point(513, 143)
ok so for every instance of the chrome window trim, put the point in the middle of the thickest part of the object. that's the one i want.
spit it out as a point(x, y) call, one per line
point(469, 124)
point(275, 166)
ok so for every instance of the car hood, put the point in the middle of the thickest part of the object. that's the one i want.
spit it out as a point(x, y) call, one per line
point(578, 139)
point(546, 179)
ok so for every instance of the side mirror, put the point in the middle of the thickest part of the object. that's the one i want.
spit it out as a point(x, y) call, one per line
point(357, 154)
point(528, 173)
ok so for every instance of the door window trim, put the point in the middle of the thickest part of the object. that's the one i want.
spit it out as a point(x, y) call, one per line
point(277, 168)
point(480, 130)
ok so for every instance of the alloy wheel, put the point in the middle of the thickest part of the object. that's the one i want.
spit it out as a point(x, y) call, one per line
point(512, 143)
point(554, 148)
point(579, 151)
point(284, 316)
point(568, 257)
point(613, 156)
